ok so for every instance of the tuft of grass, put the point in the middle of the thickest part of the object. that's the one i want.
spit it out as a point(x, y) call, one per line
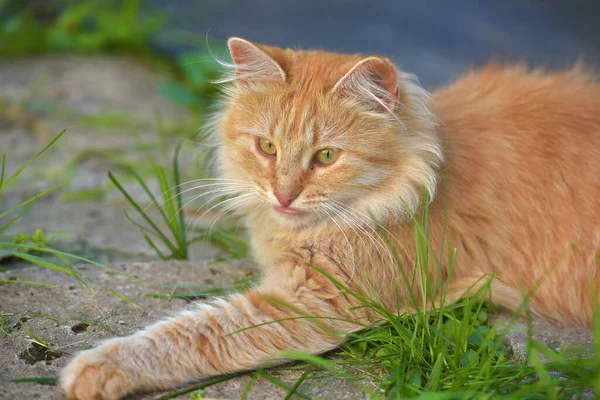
point(169, 236)
point(170, 210)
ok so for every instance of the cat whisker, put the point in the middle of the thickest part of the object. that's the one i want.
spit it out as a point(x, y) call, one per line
point(231, 207)
point(380, 240)
point(377, 242)
point(221, 203)
point(241, 181)
point(350, 249)
point(390, 235)
point(220, 191)
point(147, 207)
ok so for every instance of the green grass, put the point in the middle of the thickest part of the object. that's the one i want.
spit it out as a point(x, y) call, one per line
point(74, 26)
point(171, 236)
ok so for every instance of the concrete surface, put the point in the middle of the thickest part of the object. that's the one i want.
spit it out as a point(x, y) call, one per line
point(56, 315)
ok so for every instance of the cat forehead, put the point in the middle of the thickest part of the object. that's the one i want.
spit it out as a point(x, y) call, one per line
point(304, 122)
point(313, 70)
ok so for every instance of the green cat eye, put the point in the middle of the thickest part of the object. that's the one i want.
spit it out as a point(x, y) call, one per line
point(326, 156)
point(267, 147)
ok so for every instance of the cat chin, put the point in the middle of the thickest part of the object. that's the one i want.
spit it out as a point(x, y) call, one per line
point(295, 220)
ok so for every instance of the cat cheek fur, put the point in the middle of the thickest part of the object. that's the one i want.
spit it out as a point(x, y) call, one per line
point(514, 140)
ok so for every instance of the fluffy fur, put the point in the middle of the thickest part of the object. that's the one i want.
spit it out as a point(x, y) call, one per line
point(513, 155)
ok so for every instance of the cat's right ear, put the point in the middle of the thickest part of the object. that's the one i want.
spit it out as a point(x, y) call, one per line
point(253, 64)
point(373, 82)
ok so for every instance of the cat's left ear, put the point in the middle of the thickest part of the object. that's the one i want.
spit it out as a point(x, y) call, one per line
point(373, 82)
point(253, 64)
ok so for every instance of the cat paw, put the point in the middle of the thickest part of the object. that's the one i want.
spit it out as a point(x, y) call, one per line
point(95, 375)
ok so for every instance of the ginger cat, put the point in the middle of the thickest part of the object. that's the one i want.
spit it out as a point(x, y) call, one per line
point(325, 151)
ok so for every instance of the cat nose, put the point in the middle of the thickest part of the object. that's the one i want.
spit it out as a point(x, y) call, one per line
point(285, 199)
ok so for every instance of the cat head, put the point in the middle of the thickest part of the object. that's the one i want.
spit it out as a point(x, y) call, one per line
point(313, 135)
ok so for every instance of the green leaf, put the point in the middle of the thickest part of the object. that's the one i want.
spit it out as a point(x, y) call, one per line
point(469, 359)
point(433, 383)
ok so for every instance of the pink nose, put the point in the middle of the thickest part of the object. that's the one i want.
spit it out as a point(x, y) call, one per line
point(285, 199)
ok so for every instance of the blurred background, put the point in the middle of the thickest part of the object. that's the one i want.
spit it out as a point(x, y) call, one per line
point(436, 39)
point(101, 104)
point(129, 81)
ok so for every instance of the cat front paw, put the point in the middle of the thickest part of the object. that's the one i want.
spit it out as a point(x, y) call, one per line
point(96, 375)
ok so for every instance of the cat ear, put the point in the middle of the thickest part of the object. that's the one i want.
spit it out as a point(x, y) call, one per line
point(373, 82)
point(253, 64)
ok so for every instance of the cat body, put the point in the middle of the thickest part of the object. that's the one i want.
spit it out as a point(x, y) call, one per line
point(329, 157)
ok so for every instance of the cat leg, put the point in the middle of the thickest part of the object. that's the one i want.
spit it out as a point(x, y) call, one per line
point(496, 290)
point(207, 341)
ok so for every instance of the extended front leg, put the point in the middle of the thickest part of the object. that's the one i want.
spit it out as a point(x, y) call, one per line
point(200, 343)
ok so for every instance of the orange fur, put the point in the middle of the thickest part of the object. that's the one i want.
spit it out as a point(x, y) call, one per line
point(513, 155)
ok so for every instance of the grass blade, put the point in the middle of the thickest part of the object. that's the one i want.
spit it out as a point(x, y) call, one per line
point(18, 217)
point(198, 387)
point(26, 164)
point(2, 169)
point(309, 358)
point(48, 264)
point(434, 376)
point(137, 207)
point(26, 282)
point(59, 253)
point(283, 385)
point(43, 380)
point(119, 295)
point(30, 200)
point(178, 197)
point(32, 335)
point(297, 384)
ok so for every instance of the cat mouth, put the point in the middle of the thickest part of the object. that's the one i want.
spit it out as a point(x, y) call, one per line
point(288, 210)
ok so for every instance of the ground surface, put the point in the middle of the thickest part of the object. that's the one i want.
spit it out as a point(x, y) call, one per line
point(57, 314)
point(38, 98)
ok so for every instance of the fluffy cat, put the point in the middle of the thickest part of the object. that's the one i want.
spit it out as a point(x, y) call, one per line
point(325, 152)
